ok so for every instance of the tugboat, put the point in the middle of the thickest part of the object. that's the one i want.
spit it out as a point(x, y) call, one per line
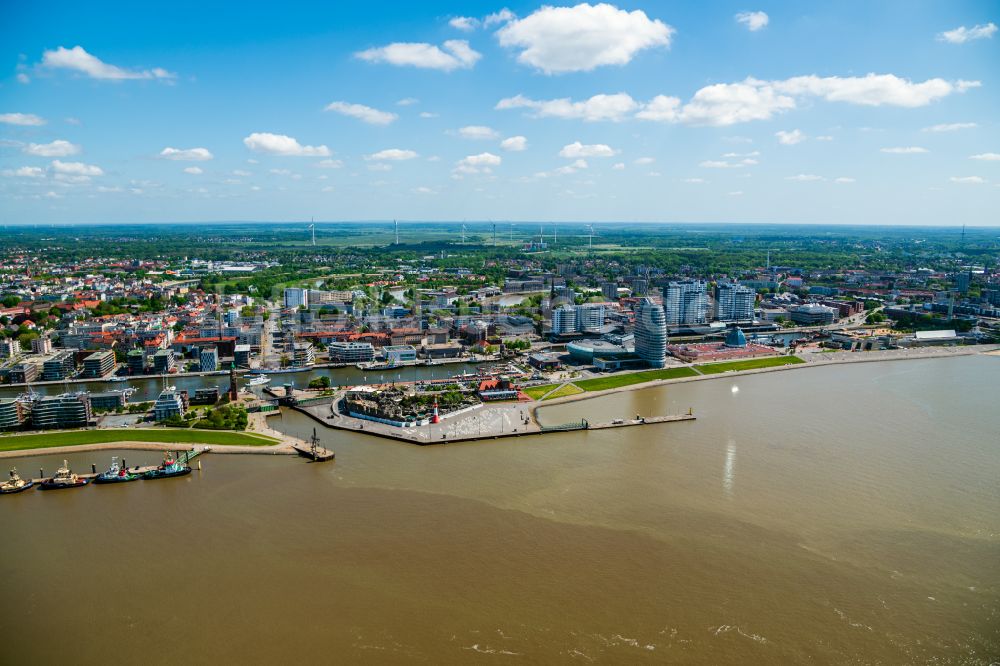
point(15, 484)
point(169, 468)
point(116, 473)
point(64, 478)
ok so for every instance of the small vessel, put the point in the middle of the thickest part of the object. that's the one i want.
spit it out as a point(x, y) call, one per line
point(64, 478)
point(116, 473)
point(169, 468)
point(257, 380)
point(15, 484)
point(116, 379)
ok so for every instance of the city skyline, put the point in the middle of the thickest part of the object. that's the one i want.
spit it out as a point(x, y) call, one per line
point(637, 112)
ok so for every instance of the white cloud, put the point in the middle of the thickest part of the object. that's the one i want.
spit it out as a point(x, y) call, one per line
point(27, 119)
point(824, 137)
point(753, 153)
point(737, 193)
point(843, 180)
point(393, 154)
point(464, 23)
point(754, 21)
point(790, 138)
point(873, 89)
point(514, 143)
point(577, 165)
point(477, 132)
point(423, 190)
point(949, 127)
point(502, 16)
point(361, 112)
point(281, 172)
point(615, 107)
point(186, 154)
point(193, 170)
point(962, 34)
point(79, 60)
point(694, 181)
point(474, 164)
point(408, 101)
point(57, 148)
point(805, 178)
point(967, 180)
point(904, 150)
point(986, 157)
point(23, 78)
point(645, 160)
point(329, 164)
point(280, 144)
point(428, 114)
point(577, 149)
point(24, 172)
point(242, 173)
point(380, 166)
point(723, 164)
point(618, 166)
point(456, 55)
point(582, 38)
point(74, 172)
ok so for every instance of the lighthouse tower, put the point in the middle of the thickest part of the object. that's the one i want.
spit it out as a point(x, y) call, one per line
point(435, 417)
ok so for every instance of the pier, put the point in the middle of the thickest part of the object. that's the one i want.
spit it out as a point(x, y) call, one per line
point(488, 422)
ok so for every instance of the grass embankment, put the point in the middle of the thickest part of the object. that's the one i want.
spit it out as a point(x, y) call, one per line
point(568, 389)
point(749, 364)
point(536, 392)
point(77, 437)
point(617, 381)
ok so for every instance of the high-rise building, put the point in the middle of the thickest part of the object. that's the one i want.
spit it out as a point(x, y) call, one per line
point(734, 302)
point(136, 360)
point(685, 302)
point(296, 297)
point(962, 281)
point(610, 290)
point(590, 317)
point(61, 411)
point(41, 345)
point(650, 333)
point(564, 320)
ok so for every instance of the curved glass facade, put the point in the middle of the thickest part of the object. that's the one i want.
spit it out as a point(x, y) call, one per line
point(651, 333)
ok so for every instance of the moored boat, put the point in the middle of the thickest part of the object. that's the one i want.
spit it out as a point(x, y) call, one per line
point(257, 380)
point(169, 468)
point(115, 474)
point(64, 478)
point(15, 484)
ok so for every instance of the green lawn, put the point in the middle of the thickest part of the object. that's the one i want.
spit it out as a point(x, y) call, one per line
point(536, 392)
point(73, 438)
point(568, 389)
point(749, 364)
point(616, 381)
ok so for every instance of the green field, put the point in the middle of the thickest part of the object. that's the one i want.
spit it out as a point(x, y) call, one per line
point(568, 389)
point(749, 364)
point(536, 392)
point(617, 381)
point(77, 437)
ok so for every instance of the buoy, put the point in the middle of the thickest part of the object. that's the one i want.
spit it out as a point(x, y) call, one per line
point(199, 464)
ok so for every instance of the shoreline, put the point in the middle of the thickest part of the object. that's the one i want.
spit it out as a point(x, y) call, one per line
point(130, 445)
point(838, 358)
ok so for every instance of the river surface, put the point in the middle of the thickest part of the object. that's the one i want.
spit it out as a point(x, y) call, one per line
point(844, 514)
point(148, 388)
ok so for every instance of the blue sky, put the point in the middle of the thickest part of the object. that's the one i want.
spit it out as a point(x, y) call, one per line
point(651, 111)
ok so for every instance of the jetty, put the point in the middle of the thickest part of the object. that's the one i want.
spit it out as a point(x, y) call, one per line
point(184, 457)
point(486, 422)
point(313, 451)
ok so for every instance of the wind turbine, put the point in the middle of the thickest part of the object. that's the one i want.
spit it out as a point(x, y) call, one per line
point(312, 228)
point(494, 234)
point(395, 225)
point(591, 228)
point(463, 234)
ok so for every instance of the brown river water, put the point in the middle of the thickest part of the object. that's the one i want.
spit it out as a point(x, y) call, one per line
point(835, 515)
